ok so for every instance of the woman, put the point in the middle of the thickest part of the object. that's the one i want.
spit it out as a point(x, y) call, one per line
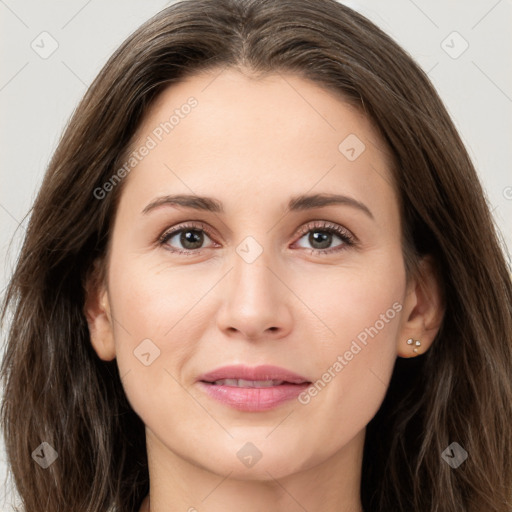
point(175, 342)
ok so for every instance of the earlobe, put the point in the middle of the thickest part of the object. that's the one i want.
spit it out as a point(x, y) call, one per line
point(98, 316)
point(423, 311)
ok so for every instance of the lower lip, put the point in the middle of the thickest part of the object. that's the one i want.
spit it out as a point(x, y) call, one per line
point(254, 399)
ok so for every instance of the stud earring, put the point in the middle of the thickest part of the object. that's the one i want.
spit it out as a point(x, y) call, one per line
point(417, 344)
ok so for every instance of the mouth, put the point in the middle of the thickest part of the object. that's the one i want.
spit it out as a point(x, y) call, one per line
point(239, 375)
point(253, 389)
point(242, 383)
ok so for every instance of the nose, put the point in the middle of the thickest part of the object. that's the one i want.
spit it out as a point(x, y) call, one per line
point(257, 302)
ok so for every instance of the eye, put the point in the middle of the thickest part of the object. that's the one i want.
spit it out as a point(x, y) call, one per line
point(320, 235)
point(188, 239)
point(189, 236)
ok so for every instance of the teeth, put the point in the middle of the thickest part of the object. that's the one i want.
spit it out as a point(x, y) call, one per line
point(241, 383)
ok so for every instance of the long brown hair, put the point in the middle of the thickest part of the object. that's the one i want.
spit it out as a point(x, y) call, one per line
point(57, 390)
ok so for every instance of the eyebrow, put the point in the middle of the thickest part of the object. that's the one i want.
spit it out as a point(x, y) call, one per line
point(297, 203)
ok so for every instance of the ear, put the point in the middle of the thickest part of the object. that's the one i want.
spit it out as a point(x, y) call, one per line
point(423, 310)
point(97, 312)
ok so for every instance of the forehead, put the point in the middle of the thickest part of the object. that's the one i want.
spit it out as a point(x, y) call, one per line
point(277, 134)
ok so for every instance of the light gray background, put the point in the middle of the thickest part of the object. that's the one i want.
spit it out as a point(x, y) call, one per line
point(38, 95)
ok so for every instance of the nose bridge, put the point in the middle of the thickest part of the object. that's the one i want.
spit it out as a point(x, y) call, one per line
point(254, 284)
point(255, 300)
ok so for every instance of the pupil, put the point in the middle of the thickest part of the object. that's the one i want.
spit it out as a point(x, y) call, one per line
point(191, 239)
point(321, 237)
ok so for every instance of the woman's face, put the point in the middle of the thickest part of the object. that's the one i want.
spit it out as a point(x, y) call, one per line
point(254, 273)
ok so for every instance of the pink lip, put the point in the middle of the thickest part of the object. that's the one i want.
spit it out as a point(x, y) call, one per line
point(253, 399)
point(264, 372)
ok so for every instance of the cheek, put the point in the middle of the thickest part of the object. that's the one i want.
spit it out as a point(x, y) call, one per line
point(154, 301)
point(156, 320)
point(355, 361)
point(354, 300)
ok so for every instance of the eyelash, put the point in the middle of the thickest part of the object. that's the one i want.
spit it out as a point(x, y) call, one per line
point(348, 239)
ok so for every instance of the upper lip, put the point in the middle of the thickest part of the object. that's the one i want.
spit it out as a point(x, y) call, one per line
point(263, 372)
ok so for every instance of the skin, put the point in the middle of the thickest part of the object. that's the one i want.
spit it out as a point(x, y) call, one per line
point(252, 144)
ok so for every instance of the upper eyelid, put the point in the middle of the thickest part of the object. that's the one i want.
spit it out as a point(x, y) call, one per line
point(326, 225)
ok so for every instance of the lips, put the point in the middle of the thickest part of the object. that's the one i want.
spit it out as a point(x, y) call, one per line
point(252, 389)
point(242, 383)
point(245, 375)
